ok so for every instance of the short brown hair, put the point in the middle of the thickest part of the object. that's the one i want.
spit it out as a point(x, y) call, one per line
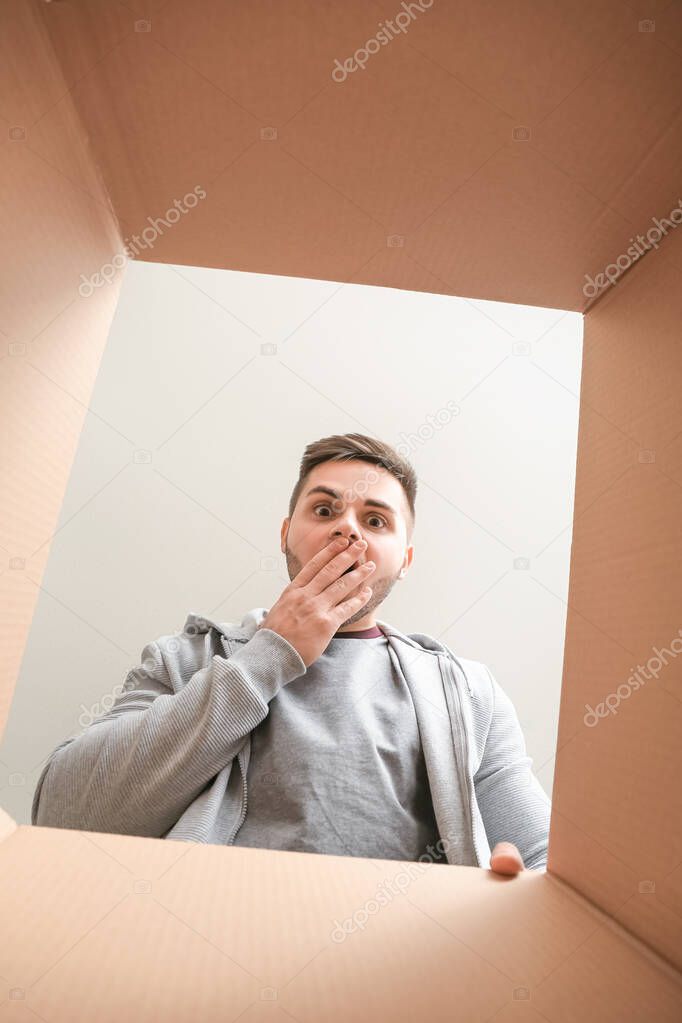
point(349, 446)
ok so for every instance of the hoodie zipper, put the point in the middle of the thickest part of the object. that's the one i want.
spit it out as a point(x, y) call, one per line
point(242, 812)
point(457, 719)
point(229, 650)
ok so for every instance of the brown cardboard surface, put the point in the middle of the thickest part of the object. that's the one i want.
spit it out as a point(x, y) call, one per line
point(179, 929)
point(489, 138)
point(412, 173)
point(616, 797)
point(56, 222)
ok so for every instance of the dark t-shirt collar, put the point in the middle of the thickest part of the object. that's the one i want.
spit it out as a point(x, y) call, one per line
point(370, 633)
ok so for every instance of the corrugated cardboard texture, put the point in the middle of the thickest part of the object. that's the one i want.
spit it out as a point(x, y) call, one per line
point(492, 150)
point(168, 930)
point(56, 223)
point(617, 803)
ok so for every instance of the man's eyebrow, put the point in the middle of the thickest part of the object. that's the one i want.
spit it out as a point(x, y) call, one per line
point(369, 501)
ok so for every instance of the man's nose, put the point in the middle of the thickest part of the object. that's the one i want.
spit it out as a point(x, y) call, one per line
point(351, 534)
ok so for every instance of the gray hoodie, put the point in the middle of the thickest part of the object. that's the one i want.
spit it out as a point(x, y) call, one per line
point(170, 759)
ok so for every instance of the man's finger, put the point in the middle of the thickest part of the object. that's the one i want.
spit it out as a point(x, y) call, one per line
point(506, 859)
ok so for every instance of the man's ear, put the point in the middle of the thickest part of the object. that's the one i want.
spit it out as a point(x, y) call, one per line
point(407, 561)
point(283, 533)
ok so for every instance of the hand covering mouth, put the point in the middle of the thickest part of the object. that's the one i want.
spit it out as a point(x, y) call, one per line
point(351, 567)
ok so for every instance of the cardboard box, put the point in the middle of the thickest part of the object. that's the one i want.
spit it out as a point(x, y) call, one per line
point(509, 152)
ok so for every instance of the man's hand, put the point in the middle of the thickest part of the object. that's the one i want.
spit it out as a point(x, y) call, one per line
point(321, 598)
point(506, 859)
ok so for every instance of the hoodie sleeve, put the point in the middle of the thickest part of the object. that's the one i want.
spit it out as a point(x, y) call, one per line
point(513, 804)
point(135, 770)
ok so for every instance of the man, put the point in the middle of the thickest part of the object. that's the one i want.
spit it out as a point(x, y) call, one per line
point(313, 726)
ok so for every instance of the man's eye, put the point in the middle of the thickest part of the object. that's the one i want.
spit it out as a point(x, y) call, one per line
point(377, 518)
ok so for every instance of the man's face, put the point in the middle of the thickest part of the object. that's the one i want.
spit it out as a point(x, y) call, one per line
point(319, 517)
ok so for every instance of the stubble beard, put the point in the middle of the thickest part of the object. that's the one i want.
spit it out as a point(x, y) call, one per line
point(381, 587)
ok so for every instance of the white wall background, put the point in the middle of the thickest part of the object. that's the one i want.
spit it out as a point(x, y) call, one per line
point(211, 385)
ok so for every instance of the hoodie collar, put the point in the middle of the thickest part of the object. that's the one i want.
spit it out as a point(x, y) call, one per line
point(246, 629)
